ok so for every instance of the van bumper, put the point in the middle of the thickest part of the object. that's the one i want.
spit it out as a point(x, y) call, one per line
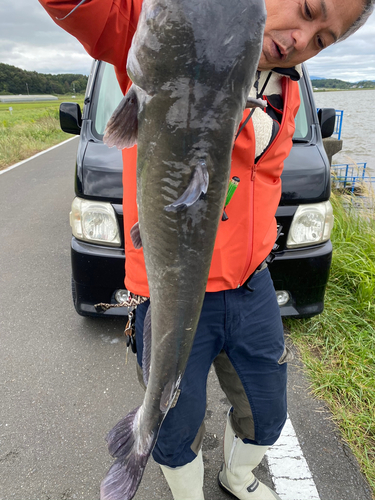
point(304, 274)
point(97, 272)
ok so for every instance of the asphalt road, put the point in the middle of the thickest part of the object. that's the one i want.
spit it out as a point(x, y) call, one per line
point(63, 378)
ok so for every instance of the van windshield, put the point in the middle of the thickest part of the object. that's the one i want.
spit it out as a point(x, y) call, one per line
point(301, 132)
point(110, 96)
point(108, 99)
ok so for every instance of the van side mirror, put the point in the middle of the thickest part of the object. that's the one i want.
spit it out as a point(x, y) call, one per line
point(327, 119)
point(70, 117)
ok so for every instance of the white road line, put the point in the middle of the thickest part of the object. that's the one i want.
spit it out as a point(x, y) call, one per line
point(290, 472)
point(35, 156)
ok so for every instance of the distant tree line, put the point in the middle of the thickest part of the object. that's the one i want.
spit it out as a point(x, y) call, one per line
point(333, 83)
point(18, 81)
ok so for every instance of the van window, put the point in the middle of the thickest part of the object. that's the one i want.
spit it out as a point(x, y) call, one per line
point(109, 97)
point(302, 126)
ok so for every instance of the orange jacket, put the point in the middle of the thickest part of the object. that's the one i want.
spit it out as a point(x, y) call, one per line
point(105, 28)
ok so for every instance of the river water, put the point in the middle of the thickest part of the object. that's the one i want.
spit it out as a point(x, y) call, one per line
point(358, 128)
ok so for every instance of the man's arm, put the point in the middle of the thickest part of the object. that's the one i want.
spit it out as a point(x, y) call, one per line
point(104, 27)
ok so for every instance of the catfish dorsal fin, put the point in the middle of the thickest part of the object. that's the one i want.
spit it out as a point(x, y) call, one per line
point(197, 186)
point(122, 128)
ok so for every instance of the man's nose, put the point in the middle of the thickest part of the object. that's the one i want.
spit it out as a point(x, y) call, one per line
point(302, 38)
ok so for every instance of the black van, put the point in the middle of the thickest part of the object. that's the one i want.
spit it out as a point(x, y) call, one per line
point(302, 260)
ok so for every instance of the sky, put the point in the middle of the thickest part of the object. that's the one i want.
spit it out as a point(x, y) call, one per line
point(30, 40)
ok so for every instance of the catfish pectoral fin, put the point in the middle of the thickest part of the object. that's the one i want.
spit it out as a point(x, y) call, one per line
point(122, 128)
point(125, 443)
point(198, 186)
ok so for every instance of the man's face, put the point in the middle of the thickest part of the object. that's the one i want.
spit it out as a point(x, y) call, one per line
point(297, 30)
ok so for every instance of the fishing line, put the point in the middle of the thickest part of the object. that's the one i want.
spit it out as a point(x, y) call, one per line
point(71, 12)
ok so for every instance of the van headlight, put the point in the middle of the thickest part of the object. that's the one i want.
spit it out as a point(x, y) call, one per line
point(311, 225)
point(94, 221)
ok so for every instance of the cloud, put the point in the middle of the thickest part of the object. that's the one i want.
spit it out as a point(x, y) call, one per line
point(29, 39)
point(61, 58)
point(351, 60)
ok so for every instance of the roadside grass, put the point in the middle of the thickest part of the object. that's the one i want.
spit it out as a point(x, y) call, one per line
point(29, 128)
point(338, 347)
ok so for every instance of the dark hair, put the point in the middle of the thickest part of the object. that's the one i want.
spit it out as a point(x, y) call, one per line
point(366, 13)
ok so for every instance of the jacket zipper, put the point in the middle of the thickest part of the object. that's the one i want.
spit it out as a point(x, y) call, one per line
point(254, 171)
point(282, 125)
point(251, 235)
point(253, 175)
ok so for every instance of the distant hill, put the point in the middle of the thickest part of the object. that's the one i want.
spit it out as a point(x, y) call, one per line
point(14, 80)
point(334, 83)
point(316, 78)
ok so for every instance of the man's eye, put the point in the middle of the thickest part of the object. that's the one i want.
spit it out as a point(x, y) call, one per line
point(308, 13)
point(320, 42)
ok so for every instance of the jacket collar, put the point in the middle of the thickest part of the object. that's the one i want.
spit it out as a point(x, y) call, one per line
point(294, 73)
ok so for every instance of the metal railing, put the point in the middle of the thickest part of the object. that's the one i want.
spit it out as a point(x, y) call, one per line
point(351, 177)
point(338, 123)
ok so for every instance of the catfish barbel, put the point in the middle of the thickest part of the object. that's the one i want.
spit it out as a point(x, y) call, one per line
point(192, 64)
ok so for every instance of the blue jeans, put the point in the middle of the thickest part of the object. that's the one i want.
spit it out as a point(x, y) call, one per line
point(240, 331)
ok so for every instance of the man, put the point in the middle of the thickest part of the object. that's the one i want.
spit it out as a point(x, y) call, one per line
point(240, 328)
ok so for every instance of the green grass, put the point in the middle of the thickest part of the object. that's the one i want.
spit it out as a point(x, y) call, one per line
point(30, 127)
point(338, 347)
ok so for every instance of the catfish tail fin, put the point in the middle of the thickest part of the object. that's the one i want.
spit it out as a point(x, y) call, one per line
point(131, 452)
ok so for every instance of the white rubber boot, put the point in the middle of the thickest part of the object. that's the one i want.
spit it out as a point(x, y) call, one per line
point(186, 482)
point(236, 475)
